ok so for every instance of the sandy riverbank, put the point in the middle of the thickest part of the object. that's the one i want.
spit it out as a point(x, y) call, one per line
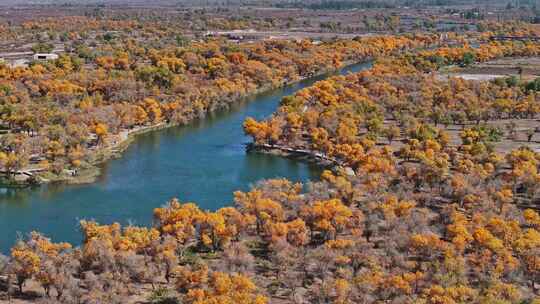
point(303, 154)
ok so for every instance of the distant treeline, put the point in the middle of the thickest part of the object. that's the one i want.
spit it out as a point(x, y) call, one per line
point(340, 4)
point(363, 4)
point(310, 4)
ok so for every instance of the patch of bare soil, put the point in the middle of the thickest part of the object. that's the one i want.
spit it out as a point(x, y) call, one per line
point(526, 67)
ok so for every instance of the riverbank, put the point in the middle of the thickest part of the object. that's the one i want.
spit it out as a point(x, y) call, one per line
point(280, 150)
point(306, 155)
point(90, 170)
point(203, 162)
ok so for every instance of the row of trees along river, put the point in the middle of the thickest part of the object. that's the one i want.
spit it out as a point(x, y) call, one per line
point(204, 162)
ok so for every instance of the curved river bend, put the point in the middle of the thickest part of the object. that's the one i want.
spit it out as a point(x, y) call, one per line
point(204, 162)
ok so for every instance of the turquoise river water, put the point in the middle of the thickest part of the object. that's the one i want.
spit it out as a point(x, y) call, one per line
point(203, 162)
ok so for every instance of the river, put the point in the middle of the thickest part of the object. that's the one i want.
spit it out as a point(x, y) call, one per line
point(204, 162)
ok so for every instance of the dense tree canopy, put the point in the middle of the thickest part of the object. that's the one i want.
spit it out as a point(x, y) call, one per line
point(60, 111)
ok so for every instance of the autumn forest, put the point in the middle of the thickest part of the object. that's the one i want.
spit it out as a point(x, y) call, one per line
point(430, 156)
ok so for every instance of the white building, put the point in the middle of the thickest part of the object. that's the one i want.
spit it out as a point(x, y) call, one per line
point(45, 57)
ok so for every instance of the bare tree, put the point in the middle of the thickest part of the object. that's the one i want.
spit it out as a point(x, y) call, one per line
point(237, 258)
